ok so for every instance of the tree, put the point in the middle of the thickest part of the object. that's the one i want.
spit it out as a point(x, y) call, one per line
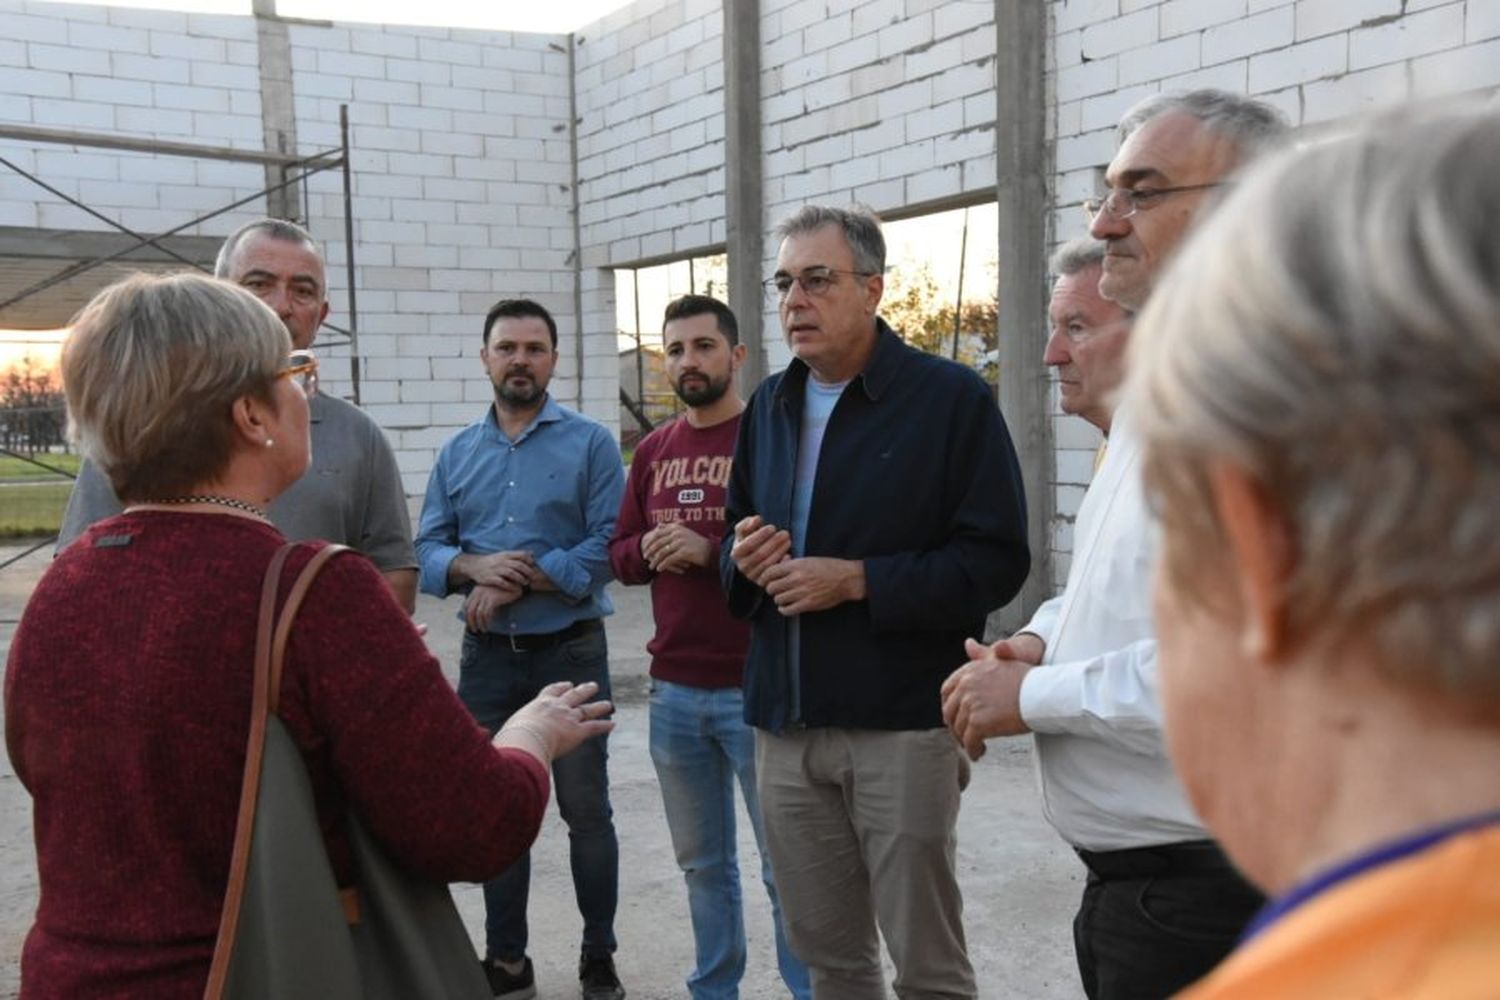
point(914, 308)
point(32, 409)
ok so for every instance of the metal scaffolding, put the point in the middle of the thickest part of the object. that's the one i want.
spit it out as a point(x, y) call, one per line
point(293, 171)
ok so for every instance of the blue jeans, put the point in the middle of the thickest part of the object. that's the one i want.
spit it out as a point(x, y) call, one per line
point(699, 744)
point(493, 682)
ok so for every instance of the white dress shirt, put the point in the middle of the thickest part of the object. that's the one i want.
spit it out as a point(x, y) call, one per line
point(1106, 781)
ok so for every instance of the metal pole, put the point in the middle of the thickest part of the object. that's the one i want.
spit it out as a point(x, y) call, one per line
point(640, 361)
point(27, 133)
point(142, 241)
point(958, 308)
point(578, 349)
point(349, 254)
point(73, 272)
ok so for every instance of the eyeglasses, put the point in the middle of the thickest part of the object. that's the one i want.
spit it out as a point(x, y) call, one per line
point(815, 281)
point(1122, 203)
point(302, 366)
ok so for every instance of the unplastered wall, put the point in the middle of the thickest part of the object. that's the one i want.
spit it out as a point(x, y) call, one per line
point(1317, 60)
point(650, 81)
point(650, 85)
point(890, 103)
point(461, 178)
point(144, 74)
point(461, 196)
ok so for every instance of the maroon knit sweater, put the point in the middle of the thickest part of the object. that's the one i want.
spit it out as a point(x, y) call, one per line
point(127, 704)
point(680, 473)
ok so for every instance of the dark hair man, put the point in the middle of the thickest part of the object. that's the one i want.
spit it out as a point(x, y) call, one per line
point(518, 514)
point(668, 534)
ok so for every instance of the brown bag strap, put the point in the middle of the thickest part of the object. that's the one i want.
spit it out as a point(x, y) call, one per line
point(270, 647)
point(289, 613)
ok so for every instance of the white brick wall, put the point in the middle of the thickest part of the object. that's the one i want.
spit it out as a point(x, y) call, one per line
point(461, 162)
point(887, 103)
point(1316, 60)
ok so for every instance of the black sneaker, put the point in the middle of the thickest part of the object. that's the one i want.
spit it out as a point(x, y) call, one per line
point(511, 985)
point(596, 977)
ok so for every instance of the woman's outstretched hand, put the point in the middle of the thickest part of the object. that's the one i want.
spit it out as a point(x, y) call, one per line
point(560, 718)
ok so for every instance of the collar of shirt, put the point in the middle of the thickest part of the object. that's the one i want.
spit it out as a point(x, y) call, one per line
point(550, 413)
point(879, 373)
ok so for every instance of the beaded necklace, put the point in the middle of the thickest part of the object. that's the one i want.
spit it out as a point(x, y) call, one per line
point(248, 508)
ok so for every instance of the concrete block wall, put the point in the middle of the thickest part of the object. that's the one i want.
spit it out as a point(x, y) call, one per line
point(650, 81)
point(886, 102)
point(1316, 60)
point(461, 161)
point(650, 88)
point(144, 74)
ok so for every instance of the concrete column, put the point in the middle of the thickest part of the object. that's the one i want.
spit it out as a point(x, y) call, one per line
point(743, 169)
point(1023, 162)
point(278, 121)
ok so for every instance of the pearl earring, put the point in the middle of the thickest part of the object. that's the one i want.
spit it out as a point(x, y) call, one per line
point(269, 442)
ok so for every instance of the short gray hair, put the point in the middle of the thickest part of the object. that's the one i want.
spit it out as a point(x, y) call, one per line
point(1076, 255)
point(276, 229)
point(1251, 126)
point(151, 369)
point(1334, 331)
point(860, 225)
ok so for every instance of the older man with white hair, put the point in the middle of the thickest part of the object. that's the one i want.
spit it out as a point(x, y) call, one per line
point(1161, 905)
point(1315, 388)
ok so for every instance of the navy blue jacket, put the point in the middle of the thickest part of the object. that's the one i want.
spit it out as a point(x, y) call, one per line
point(918, 478)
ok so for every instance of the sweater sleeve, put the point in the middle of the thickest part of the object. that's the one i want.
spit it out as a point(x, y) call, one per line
point(419, 770)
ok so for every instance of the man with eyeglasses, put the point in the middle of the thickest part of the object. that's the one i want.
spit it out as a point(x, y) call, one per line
point(878, 517)
point(1161, 904)
point(352, 492)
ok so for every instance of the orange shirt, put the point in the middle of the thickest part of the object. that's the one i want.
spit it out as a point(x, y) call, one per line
point(1423, 927)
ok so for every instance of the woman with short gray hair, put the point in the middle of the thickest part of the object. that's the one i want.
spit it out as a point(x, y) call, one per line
point(1317, 384)
point(128, 690)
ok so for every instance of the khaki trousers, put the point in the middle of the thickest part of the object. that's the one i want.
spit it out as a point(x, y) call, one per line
point(860, 829)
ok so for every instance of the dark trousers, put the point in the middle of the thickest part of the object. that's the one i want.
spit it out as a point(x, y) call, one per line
point(1156, 919)
point(493, 682)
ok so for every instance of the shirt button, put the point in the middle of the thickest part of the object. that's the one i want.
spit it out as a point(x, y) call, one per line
point(510, 520)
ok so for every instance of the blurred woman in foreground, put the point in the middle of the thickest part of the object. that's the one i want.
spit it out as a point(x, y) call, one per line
point(129, 682)
point(1318, 389)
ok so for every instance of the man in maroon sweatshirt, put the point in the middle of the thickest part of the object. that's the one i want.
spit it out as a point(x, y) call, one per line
point(668, 532)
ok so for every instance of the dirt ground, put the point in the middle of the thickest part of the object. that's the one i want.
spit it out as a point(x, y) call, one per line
point(1020, 883)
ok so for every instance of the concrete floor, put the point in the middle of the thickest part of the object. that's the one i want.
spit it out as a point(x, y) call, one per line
point(1020, 882)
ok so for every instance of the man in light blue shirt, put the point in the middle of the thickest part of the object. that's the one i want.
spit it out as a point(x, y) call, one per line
point(518, 515)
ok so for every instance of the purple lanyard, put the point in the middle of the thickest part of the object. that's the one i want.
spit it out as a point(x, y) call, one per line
point(1385, 854)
